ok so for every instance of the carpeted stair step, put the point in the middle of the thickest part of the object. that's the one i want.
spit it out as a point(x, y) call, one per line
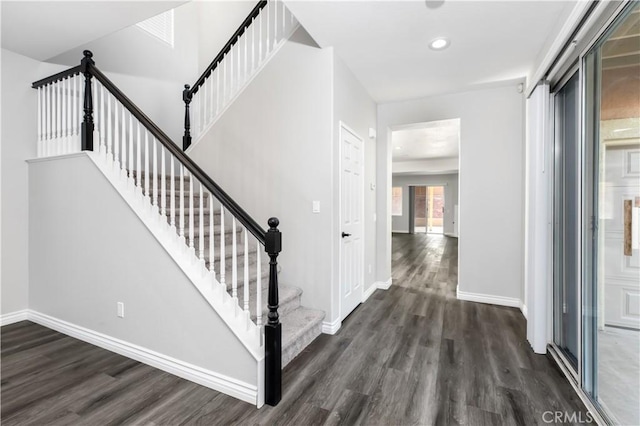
point(299, 328)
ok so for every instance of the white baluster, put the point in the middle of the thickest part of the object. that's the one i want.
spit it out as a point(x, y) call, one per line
point(253, 44)
point(80, 111)
point(63, 123)
point(147, 166)
point(234, 261)
point(182, 175)
point(224, 80)
point(154, 189)
point(116, 136)
point(96, 115)
point(172, 193)
point(109, 130)
point(39, 146)
point(246, 273)
point(123, 151)
point(54, 118)
point(284, 21)
point(258, 290)
point(201, 226)
point(138, 180)
point(47, 120)
point(104, 129)
point(261, 37)
point(163, 184)
point(218, 90)
point(267, 10)
point(276, 27)
point(191, 233)
point(130, 168)
point(205, 109)
point(76, 112)
point(59, 119)
point(222, 266)
point(212, 239)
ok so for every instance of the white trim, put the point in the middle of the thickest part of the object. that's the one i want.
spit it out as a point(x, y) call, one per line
point(570, 25)
point(185, 259)
point(331, 327)
point(368, 292)
point(384, 285)
point(13, 317)
point(56, 157)
point(523, 309)
point(489, 298)
point(227, 385)
point(450, 234)
point(578, 390)
point(402, 231)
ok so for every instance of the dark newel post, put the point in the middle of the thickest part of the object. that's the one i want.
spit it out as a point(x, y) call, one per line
point(186, 97)
point(87, 122)
point(273, 328)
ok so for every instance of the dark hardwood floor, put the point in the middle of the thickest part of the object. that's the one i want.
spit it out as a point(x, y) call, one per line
point(412, 355)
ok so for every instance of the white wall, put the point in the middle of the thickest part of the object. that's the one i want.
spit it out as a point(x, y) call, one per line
point(18, 144)
point(450, 183)
point(491, 184)
point(272, 152)
point(89, 250)
point(354, 107)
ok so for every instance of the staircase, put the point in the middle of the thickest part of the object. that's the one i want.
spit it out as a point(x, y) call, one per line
point(228, 257)
point(300, 325)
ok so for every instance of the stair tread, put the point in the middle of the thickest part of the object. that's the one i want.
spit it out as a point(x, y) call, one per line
point(297, 322)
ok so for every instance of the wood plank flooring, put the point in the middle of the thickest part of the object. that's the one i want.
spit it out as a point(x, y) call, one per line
point(411, 355)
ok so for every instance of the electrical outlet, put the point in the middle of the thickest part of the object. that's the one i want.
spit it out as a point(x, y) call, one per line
point(120, 309)
point(316, 207)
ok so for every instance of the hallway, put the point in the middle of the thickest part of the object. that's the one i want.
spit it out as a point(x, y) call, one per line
point(410, 355)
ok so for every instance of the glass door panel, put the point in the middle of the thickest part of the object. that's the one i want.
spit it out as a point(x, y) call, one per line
point(567, 219)
point(612, 286)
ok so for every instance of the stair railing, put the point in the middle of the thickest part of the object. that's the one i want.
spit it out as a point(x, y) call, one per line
point(80, 109)
point(263, 31)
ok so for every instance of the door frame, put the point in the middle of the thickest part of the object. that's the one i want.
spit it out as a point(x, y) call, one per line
point(345, 128)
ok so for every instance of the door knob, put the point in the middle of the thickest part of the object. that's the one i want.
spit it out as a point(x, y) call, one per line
point(344, 234)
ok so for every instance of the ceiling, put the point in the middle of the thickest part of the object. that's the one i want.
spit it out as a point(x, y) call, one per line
point(426, 148)
point(425, 141)
point(385, 43)
point(27, 26)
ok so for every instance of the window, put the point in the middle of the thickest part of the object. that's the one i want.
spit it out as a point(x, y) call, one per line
point(160, 26)
point(396, 201)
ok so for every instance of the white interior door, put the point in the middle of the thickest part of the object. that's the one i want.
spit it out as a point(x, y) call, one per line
point(351, 212)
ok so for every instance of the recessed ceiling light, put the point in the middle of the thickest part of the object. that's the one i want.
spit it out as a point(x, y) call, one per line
point(439, 43)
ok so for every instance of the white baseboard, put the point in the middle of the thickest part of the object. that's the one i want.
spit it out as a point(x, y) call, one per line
point(13, 317)
point(227, 385)
point(489, 298)
point(384, 285)
point(523, 309)
point(451, 234)
point(368, 292)
point(331, 327)
point(402, 231)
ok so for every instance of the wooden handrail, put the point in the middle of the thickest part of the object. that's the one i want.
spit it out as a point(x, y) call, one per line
point(56, 77)
point(224, 198)
point(227, 47)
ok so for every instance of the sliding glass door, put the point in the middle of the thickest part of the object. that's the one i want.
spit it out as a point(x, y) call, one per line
point(612, 286)
point(567, 219)
point(596, 220)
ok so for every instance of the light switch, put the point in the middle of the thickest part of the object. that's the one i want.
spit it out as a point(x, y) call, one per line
point(316, 207)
